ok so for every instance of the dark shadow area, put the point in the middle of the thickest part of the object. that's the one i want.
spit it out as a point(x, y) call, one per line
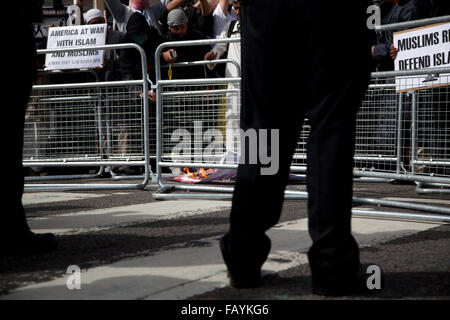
point(42, 211)
point(108, 199)
point(88, 250)
point(401, 285)
point(428, 235)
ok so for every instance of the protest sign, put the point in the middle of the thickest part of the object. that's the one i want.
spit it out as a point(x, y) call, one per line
point(75, 36)
point(422, 48)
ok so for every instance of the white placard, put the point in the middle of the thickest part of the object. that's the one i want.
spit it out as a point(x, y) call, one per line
point(75, 36)
point(422, 48)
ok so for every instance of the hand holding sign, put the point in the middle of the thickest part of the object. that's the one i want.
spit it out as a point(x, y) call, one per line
point(422, 48)
point(393, 52)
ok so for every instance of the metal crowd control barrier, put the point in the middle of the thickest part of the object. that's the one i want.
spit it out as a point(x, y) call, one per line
point(416, 123)
point(411, 24)
point(34, 139)
point(180, 106)
point(91, 124)
point(195, 106)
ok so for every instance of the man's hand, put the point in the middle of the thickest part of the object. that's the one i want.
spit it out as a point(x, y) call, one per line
point(167, 56)
point(150, 95)
point(393, 52)
point(211, 55)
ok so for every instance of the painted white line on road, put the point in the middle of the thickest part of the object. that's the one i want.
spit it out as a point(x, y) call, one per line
point(97, 219)
point(30, 198)
point(184, 271)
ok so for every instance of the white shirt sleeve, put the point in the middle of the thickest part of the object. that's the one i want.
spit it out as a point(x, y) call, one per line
point(220, 20)
point(220, 48)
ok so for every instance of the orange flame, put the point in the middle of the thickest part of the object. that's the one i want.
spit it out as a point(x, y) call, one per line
point(200, 173)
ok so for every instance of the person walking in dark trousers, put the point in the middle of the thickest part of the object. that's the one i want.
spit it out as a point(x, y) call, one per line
point(15, 234)
point(327, 82)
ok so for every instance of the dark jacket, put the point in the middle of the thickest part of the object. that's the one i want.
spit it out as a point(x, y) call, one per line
point(201, 24)
point(412, 10)
point(440, 8)
point(421, 9)
point(130, 59)
point(186, 54)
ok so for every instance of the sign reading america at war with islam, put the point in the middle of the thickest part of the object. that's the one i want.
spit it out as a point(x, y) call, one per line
point(75, 36)
point(423, 48)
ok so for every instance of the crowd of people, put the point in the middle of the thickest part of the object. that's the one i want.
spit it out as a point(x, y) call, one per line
point(149, 23)
point(174, 20)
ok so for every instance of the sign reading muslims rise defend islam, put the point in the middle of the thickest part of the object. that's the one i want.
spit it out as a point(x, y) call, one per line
point(75, 36)
point(422, 48)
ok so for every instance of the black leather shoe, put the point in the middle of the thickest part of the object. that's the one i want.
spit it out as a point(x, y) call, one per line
point(243, 274)
point(246, 281)
point(369, 279)
point(28, 244)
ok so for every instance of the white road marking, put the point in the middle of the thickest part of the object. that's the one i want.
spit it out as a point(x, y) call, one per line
point(30, 198)
point(92, 220)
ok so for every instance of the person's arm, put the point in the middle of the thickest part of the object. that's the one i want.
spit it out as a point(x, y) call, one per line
point(224, 6)
point(204, 8)
point(220, 48)
point(409, 13)
point(80, 5)
point(174, 4)
point(118, 10)
point(381, 51)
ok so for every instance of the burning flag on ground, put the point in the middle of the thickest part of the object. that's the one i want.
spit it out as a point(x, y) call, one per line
point(208, 175)
point(200, 175)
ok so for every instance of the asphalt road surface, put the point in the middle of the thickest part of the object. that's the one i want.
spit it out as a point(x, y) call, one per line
point(129, 246)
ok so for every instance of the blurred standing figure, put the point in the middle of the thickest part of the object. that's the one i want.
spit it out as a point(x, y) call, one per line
point(95, 16)
point(150, 9)
point(231, 29)
point(179, 29)
point(222, 14)
point(328, 84)
point(76, 16)
point(15, 234)
point(384, 53)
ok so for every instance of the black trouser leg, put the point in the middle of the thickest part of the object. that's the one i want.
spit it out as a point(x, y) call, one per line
point(326, 83)
point(334, 253)
point(338, 81)
point(258, 197)
point(18, 88)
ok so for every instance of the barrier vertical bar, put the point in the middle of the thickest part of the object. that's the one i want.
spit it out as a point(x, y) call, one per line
point(413, 131)
point(399, 131)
